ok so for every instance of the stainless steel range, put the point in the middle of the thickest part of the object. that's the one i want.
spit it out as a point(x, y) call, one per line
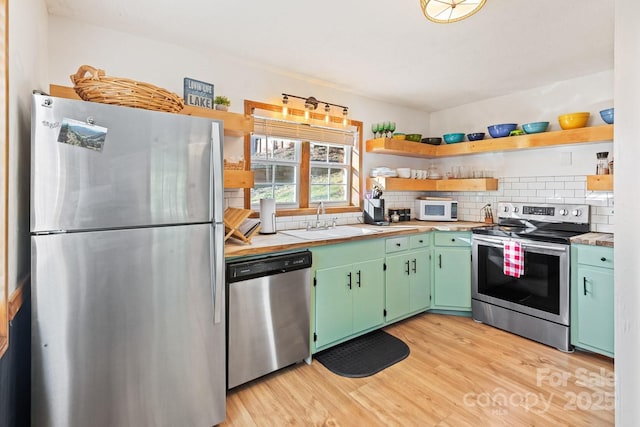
point(535, 304)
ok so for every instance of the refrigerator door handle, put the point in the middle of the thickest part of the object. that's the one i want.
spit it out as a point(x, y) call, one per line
point(217, 276)
point(217, 184)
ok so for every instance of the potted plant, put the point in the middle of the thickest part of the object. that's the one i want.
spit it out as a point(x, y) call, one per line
point(221, 102)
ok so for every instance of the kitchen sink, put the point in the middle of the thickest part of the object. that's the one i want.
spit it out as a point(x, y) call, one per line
point(338, 232)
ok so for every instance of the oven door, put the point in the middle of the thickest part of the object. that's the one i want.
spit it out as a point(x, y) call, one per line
point(542, 291)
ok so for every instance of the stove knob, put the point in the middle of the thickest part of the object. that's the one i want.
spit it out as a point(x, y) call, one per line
point(564, 212)
point(506, 208)
point(576, 212)
point(516, 209)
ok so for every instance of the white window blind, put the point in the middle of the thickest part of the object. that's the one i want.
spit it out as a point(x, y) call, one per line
point(302, 131)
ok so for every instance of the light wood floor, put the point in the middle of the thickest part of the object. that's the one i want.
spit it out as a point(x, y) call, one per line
point(459, 373)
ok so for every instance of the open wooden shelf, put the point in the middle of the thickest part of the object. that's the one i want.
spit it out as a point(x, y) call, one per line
point(407, 184)
point(238, 179)
point(536, 140)
point(234, 124)
point(600, 182)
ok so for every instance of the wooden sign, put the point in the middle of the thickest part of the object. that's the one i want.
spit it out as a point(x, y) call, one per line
point(198, 93)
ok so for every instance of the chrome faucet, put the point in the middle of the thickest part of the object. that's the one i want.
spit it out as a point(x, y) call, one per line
point(320, 208)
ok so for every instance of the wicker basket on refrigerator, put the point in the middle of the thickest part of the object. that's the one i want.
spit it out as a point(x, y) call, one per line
point(91, 84)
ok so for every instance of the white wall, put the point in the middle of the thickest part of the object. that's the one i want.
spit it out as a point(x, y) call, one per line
point(73, 43)
point(627, 249)
point(590, 93)
point(27, 71)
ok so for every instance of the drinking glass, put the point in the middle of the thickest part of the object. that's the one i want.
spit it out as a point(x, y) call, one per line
point(392, 127)
point(385, 128)
point(375, 129)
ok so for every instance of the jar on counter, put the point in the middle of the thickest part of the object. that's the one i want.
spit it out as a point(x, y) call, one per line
point(394, 216)
point(602, 164)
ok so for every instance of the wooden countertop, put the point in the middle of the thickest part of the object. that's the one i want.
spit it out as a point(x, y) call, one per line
point(594, 239)
point(267, 243)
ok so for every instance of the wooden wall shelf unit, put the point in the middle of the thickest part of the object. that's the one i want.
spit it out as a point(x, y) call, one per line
point(536, 140)
point(238, 179)
point(600, 182)
point(407, 184)
point(234, 124)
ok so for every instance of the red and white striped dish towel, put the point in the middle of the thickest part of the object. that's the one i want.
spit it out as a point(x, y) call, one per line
point(513, 259)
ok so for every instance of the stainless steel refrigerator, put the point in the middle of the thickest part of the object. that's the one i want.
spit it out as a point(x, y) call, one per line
point(128, 325)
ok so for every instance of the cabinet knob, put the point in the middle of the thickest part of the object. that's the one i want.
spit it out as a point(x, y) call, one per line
point(398, 244)
point(603, 259)
point(453, 239)
point(421, 241)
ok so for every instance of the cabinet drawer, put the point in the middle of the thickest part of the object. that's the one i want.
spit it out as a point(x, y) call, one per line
point(419, 241)
point(452, 238)
point(596, 256)
point(397, 244)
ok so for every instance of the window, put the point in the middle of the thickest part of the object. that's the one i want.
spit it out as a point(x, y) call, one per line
point(329, 177)
point(275, 163)
point(300, 164)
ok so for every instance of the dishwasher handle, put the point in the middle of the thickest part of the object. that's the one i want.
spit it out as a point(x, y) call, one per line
point(267, 266)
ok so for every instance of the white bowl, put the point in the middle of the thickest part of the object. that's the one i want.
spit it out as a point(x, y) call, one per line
point(404, 172)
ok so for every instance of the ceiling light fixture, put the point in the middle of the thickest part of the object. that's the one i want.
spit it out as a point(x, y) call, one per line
point(448, 11)
point(311, 104)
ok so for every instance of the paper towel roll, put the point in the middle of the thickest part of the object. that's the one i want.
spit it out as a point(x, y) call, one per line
point(268, 216)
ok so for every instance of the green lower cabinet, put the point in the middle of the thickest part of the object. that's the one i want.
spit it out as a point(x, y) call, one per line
point(368, 295)
point(334, 305)
point(348, 298)
point(592, 320)
point(452, 271)
point(408, 288)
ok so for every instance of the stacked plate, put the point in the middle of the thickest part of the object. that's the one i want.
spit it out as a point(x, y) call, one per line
point(383, 171)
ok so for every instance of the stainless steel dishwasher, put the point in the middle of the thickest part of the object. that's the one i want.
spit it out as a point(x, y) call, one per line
point(269, 315)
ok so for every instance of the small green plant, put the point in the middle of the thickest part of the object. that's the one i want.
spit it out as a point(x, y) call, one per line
point(222, 100)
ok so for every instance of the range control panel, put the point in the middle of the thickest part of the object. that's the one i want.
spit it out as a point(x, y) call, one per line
point(544, 212)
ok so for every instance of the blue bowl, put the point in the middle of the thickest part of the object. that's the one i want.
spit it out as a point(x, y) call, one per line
point(535, 127)
point(452, 138)
point(501, 130)
point(607, 115)
point(476, 136)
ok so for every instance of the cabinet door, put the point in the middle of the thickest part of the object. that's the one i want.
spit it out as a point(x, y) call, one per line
point(397, 290)
point(452, 278)
point(420, 286)
point(368, 295)
point(334, 299)
point(595, 307)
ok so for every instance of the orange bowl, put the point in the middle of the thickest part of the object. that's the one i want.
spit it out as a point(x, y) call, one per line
point(573, 120)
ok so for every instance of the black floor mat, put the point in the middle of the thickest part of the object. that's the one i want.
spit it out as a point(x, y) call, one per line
point(365, 355)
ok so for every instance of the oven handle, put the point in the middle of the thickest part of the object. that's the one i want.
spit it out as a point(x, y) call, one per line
point(493, 241)
point(525, 245)
point(544, 247)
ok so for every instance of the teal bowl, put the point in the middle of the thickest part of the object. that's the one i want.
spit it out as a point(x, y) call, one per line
point(452, 138)
point(535, 127)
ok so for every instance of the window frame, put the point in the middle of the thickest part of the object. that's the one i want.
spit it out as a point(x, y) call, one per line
point(355, 193)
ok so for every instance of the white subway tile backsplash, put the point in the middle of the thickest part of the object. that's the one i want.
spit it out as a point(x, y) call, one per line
point(536, 186)
point(558, 189)
point(554, 185)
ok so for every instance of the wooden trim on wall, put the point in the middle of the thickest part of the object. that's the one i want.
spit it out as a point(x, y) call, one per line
point(4, 181)
point(19, 296)
point(305, 169)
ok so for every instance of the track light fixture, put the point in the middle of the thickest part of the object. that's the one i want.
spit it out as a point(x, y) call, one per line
point(311, 104)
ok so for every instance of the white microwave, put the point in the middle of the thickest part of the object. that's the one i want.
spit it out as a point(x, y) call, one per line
point(436, 210)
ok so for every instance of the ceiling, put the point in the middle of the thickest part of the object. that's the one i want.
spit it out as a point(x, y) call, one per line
point(381, 49)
